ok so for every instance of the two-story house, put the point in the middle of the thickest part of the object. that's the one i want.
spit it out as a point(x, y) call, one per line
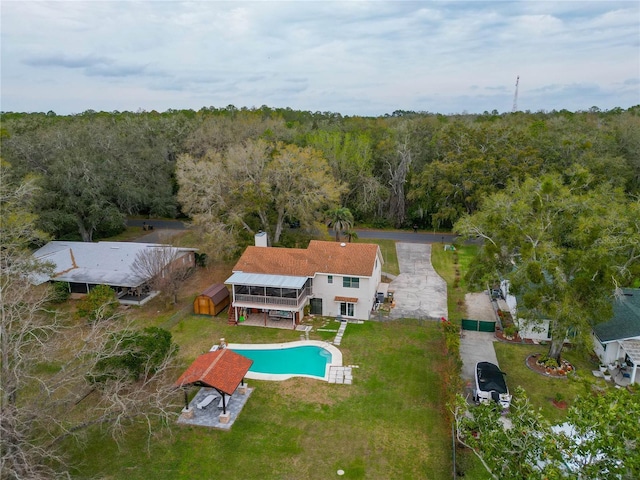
point(334, 279)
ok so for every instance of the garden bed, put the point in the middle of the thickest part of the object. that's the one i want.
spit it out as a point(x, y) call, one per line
point(537, 363)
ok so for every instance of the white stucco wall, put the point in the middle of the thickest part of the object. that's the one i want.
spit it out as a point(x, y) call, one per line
point(533, 330)
point(365, 293)
point(609, 352)
point(329, 291)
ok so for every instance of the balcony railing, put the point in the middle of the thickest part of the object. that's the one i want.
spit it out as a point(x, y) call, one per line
point(264, 300)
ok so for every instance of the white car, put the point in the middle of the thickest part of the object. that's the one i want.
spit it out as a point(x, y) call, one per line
point(490, 385)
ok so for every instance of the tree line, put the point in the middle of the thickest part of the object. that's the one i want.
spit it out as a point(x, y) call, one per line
point(235, 171)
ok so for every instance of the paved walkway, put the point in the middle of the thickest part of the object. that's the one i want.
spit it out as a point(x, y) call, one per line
point(342, 374)
point(419, 292)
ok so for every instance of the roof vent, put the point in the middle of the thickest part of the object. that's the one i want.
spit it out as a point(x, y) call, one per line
point(343, 244)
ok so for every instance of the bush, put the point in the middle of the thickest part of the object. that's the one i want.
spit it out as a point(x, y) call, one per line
point(99, 304)
point(510, 331)
point(60, 292)
point(201, 259)
point(548, 362)
point(134, 354)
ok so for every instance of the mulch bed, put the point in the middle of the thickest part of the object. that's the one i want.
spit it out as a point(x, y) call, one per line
point(500, 336)
point(532, 364)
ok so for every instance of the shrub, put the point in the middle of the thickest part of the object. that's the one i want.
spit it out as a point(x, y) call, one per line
point(99, 304)
point(510, 331)
point(60, 292)
point(548, 362)
point(133, 354)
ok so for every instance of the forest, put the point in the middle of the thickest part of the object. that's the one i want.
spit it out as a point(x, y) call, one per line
point(234, 171)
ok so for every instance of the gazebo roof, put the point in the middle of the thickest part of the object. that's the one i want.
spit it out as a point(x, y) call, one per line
point(221, 369)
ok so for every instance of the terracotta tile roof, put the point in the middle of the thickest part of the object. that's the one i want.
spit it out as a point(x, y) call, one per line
point(222, 369)
point(346, 299)
point(357, 259)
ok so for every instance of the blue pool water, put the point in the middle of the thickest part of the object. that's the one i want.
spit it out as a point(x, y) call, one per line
point(304, 360)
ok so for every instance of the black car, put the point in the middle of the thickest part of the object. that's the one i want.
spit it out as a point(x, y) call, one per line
point(490, 385)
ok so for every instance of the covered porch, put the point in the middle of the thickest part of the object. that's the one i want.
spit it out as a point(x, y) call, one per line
point(625, 369)
point(257, 317)
point(275, 301)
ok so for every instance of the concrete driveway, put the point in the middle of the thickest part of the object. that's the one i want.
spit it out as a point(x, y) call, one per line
point(476, 346)
point(419, 292)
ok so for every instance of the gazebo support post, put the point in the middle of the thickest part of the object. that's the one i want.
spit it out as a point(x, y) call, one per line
point(186, 399)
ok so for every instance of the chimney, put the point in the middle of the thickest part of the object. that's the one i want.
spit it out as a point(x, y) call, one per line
point(261, 239)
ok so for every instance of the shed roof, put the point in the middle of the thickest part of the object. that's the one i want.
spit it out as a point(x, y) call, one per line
point(216, 292)
point(221, 369)
point(625, 323)
point(356, 259)
point(108, 263)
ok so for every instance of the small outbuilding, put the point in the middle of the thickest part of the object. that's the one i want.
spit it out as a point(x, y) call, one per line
point(212, 301)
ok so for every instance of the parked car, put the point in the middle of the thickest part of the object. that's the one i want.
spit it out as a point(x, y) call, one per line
point(490, 385)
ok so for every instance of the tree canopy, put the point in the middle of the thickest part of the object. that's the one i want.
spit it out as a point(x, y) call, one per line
point(97, 168)
point(564, 244)
point(599, 439)
point(256, 185)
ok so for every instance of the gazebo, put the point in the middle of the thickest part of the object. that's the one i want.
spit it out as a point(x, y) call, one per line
point(222, 370)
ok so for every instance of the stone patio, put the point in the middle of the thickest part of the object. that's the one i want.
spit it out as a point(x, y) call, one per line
point(211, 416)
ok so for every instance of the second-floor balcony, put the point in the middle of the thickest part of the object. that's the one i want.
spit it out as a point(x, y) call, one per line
point(270, 291)
point(274, 300)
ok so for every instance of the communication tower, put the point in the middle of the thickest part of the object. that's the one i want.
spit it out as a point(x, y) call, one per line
point(515, 96)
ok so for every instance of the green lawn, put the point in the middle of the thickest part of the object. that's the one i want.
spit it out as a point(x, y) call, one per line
point(389, 424)
point(540, 389)
point(447, 263)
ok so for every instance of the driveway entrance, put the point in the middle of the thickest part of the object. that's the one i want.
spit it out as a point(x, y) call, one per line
point(419, 292)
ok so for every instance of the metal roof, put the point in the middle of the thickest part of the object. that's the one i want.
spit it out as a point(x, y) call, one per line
point(264, 280)
point(108, 263)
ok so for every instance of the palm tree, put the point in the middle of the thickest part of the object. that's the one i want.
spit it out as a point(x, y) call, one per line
point(340, 219)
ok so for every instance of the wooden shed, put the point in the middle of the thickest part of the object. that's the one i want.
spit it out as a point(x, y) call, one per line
point(212, 301)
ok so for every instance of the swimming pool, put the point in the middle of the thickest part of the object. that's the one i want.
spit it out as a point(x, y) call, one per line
point(280, 361)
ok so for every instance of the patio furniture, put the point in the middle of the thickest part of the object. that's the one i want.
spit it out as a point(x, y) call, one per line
point(206, 402)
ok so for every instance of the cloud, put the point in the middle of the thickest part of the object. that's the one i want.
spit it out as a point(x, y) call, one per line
point(367, 57)
point(67, 61)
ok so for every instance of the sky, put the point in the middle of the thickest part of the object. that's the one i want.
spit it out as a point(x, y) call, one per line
point(365, 58)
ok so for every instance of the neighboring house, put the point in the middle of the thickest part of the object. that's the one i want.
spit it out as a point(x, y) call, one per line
point(536, 330)
point(85, 265)
point(334, 279)
point(617, 342)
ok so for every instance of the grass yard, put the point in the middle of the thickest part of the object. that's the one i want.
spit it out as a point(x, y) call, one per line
point(540, 389)
point(452, 266)
point(390, 423)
